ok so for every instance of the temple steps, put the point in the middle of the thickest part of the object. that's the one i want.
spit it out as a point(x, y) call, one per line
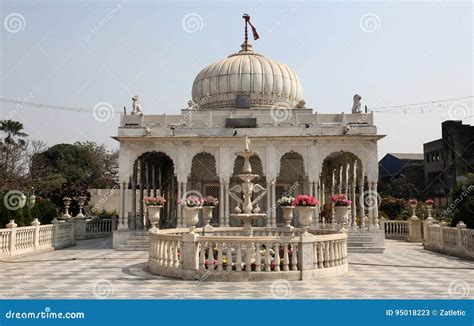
point(135, 243)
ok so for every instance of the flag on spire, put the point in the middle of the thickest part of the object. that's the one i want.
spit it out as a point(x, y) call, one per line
point(254, 30)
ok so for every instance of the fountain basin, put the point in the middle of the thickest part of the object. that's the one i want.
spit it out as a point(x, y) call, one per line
point(227, 254)
point(248, 219)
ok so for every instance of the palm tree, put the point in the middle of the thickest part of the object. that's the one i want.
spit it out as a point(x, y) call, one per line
point(14, 135)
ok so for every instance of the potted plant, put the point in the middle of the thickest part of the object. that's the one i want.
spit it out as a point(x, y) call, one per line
point(429, 206)
point(341, 207)
point(413, 202)
point(208, 205)
point(154, 204)
point(191, 206)
point(286, 204)
point(305, 205)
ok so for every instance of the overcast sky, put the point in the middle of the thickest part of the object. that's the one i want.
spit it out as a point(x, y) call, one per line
point(81, 53)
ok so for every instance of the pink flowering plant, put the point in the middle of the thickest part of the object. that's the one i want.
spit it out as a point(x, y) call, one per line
point(154, 201)
point(413, 201)
point(191, 201)
point(429, 202)
point(341, 200)
point(305, 200)
point(210, 201)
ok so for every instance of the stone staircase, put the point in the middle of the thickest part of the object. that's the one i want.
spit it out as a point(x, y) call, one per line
point(362, 242)
point(135, 243)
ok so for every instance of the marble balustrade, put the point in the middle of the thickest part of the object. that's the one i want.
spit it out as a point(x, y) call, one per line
point(226, 255)
point(23, 240)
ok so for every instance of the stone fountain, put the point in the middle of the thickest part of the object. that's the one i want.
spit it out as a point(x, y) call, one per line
point(248, 253)
point(247, 209)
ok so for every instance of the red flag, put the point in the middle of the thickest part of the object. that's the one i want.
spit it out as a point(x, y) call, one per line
point(254, 30)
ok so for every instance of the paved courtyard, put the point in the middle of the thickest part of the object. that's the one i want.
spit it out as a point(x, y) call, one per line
point(93, 270)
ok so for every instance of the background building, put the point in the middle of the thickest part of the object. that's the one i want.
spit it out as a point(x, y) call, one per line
point(449, 159)
point(410, 165)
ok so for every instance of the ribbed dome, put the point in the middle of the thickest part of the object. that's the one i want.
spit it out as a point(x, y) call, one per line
point(266, 82)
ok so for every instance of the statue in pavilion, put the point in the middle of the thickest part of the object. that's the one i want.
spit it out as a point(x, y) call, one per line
point(136, 107)
point(356, 105)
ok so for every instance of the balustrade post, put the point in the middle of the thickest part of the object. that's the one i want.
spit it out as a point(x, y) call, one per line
point(442, 225)
point(36, 224)
point(55, 233)
point(414, 230)
point(459, 227)
point(12, 226)
point(190, 255)
point(305, 255)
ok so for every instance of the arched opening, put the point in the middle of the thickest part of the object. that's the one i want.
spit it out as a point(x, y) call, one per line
point(341, 173)
point(257, 168)
point(203, 179)
point(153, 175)
point(291, 180)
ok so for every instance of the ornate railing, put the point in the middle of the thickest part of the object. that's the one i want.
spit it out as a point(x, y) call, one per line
point(98, 227)
point(395, 229)
point(456, 241)
point(225, 254)
point(22, 240)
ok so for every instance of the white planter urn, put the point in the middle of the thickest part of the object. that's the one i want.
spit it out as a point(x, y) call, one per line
point(413, 212)
point(12, 224)
point(35, 222)
point(154, 216)
point(287, 214)
point(207, 216)
point(191, 217)
point(341, 214)
point(305, 216)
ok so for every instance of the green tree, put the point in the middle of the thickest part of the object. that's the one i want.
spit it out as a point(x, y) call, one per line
point(12, 144)
point(398, 187)
point(462, 202)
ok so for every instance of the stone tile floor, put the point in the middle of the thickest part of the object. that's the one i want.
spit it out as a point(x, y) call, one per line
point(93, 270)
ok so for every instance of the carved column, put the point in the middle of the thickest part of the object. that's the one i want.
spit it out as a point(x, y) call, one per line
point(376, 207)
point(134, 204)
point(178, 208)
point(361, 201)
point(353, 198)
point(370, 209)
point(273, 202)
point(227, 204)
point(221, 204)
point(269, 205)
